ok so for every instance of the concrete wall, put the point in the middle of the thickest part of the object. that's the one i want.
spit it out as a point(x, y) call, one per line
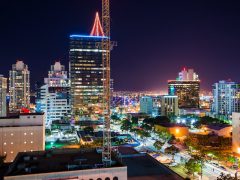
point(119, 172)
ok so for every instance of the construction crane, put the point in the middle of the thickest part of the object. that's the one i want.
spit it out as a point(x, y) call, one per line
point(106, 48)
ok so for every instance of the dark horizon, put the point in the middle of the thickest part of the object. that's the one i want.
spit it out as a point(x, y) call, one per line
point(155, 38)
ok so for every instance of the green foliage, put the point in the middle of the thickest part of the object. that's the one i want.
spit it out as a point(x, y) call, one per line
point(171, 150)
point(126, 125)
point(146, 127)
point(157, 120)
point(193, 166)
point(115, 117)
point(206, 120)
point(143, 134)
point(158, 145)
point(134, 120)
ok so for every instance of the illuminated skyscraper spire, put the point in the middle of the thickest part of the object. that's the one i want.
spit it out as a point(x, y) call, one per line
point(97, 29)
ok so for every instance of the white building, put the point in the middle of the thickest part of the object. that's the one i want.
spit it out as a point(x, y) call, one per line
point(19, 86)
point(146, 105)
point(21, 133)
point(236, 132)
point(226, 98)
point(54, 96)
point(187, 75)
point(3, 94)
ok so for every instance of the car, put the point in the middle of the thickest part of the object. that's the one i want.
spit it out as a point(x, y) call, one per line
point(223, 168)
point(215, 164)
point(234, 167)
point(173, 164)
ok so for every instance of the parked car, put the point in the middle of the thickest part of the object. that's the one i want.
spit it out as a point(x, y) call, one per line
point(173, 164)
point(223, 168)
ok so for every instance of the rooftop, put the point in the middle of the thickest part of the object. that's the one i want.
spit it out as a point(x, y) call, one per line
point(143, 166)
point(56, 160)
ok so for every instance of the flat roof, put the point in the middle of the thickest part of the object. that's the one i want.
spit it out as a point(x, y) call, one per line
point(14, 116)
point(86, 36)
point(143, 166)
point(57, 160)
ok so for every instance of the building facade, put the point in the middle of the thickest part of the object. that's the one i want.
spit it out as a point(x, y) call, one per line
point(54, 96)
point(226, 98)
point(146, 105)
point(187, 88)
point(169, 105)
point(22, 133)
point(3, 96)
point(236, 133)
point(19, 86)
point(186, 91)
point(86, 72)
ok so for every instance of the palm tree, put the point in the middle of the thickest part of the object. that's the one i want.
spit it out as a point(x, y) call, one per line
point(172, 150)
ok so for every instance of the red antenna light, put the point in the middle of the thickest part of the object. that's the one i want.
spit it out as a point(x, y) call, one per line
point(97, 29)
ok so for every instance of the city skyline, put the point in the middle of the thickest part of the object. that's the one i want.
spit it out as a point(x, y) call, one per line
point(187, 34)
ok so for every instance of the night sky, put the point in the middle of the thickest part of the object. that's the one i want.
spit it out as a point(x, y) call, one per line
point(156, 38)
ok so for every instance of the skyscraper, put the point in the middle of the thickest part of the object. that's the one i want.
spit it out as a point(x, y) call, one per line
point(226, 98)
point(146, 105)
point(54, 96)
point(3, 94)
point(187, 88)
point(19, 86)
point(86, 72)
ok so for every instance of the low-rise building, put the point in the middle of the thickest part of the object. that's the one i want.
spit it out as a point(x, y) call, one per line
point(21, 133)
point(67, 164)
point(224, 130)
point(178, 130)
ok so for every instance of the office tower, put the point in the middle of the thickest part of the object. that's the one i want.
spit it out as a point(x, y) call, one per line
point(19, 86)
point(187, 88)
point(3, 96)
point(86, 72)
point(146, 105)
point(169, 105)
point(54, 96)
point(22, 133)
point(187, 75)
point(236, 132)
point(226, 98)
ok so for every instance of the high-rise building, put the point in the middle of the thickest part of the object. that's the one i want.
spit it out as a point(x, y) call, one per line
point(86, 72)
point(146, 105)
point(226, 98)
point(236, 132)
point(3, 96)
point(21, 133)
point(169, 105)
point(19, 86)
point(187, 88)
point(54, 96)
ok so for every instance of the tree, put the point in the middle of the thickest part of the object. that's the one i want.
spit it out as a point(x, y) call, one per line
point(171, 150)
point(115, 117)
point(126, 125)
point(158, 145)
point(226, 177)
point(146, 127)
point(193, 166)
point(134, 120)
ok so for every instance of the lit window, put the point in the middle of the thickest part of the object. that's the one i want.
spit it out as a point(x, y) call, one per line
point(25, 134)
point(5, 152)
point(25, 142)
point(11, 142)
point(5, 143)
point(11, 152)
point(11, 134)
point(31, 142)
point(31, 133)
point(31, 150)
